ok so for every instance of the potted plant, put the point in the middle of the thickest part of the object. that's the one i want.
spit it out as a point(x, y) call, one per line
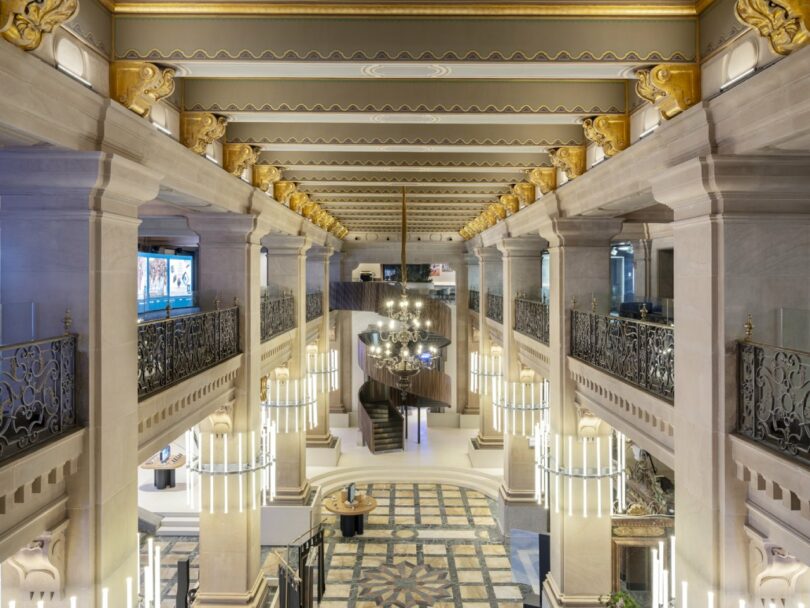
point(619, 599)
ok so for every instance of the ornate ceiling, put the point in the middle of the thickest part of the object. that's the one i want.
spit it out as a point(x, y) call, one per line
point(455, 101)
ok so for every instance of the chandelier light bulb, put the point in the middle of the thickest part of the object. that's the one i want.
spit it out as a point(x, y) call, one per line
point(389, 304)
point(419, 304)
point(427, 323)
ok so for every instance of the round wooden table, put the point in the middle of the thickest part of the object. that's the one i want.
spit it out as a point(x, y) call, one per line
point(351, 515)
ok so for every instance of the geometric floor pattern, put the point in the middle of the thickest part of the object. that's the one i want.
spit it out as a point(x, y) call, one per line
point(450, 530)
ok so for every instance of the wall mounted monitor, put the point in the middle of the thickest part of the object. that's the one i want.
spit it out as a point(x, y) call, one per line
point(164, 279)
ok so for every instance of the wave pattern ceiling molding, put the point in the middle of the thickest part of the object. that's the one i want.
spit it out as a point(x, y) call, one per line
point(407, 39)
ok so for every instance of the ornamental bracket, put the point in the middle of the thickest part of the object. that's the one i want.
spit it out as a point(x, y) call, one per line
point(138, 85)
point(570, 159)
point(671, 87)
point(24, 22)
point(608, 131)
point(265, 176)
point(785, 23)
point(236, 158)
point(200, 129)
point(544, 178)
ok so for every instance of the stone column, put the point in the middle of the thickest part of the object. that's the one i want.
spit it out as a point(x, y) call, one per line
point(461, 338)
point(517, 506)
point(579, 261)
point(489, 279)
point(318, 263)
point(70, 240)
point(347, 337)
point(287, 268)
point(473, 340)
point(229, 262)
point(741, 246)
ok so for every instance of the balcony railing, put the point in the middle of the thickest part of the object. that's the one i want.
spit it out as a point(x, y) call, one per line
point(171, 350)
point(314, 305)
point(474, 300)
point(277, 315)
point(774, 398)
point(37, 392)
point(495, 307)
point(531, 319)
point(638, 352)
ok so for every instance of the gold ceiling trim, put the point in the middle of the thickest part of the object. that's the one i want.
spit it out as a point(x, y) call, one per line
point(673, 9)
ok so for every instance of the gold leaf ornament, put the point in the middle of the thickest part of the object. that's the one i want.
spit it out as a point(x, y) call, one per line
point(544, 178)
point(510, 203)
point(24, 22)
point(265, 176)
point(283, 191)
point(671, 87)
point(569, 159)
point(238, 157)
point(200, 129)
point(526, 193)
point(611, 133)
point(497, 210)
point(138, 85)
point(785, 23)
point(298, 200)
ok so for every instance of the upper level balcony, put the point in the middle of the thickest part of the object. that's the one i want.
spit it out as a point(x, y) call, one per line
point(314, 305)
point(474, 300)
point(495, 307)
point(532, 317)
point(278, 314)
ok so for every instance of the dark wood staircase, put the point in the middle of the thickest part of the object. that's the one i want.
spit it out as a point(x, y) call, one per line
point(381, 424)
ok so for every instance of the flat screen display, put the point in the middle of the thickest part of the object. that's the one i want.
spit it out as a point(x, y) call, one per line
point(163, 279)
point(165, 454)
point(351, 492)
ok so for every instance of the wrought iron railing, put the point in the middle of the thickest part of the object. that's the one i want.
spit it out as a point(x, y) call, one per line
point(531, 319)
point(277, 315)
point(638, 352)
point(475, 300)
point(171, 350)
point(495, 307)
point(774, 398)
point(37, 392)
point(314, 305)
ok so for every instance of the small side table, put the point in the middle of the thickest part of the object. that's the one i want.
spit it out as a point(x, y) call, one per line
point(165, 471)
point(351, 514)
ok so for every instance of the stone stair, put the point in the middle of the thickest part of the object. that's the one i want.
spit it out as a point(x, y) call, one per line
point(179, 524)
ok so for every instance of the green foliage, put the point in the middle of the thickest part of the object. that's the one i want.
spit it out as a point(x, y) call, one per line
point(619, 599)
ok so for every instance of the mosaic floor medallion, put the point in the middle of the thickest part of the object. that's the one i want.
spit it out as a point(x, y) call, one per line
point(405, 585)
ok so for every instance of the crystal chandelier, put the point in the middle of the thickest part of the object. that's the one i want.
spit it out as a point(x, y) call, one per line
point(402, 350)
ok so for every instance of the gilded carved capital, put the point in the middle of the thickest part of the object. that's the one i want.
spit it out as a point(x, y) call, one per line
point(138, 85)
point(283, 191)
point(510, 203)
point(497, 210)
point(544, 178)
point(310, 208)
point(570, 159)
point(265, 176)
point(298, 200)
point(466, 233)
point(238, 157)
point(610, 132)
point(785, 23)
point(199, 129)
point(671, 87)
point(489, 217)
point(326, 221)
point(526, 193)
point(24, 22)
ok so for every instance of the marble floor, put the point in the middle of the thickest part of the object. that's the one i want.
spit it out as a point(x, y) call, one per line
point(425, 545)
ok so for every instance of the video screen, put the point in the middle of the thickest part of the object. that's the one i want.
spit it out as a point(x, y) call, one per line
point(164, 279)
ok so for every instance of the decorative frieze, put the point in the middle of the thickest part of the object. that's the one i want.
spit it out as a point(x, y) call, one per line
point(200, 129)
point(785, 23)
point(138, 85)
point(283, 190)
point(24, 22)
point(570, 159)
point(510, 203)
point(544, 178)
point(671, 87)
point(265, 176)
point(608, 131)
point(238, 157)
point(526, 193)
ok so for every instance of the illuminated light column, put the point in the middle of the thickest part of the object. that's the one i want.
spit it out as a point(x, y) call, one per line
point(579, 265)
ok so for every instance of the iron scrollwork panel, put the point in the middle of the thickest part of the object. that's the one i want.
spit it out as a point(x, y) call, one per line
point(495, 307)
point(171, 350)
point(532, 319)
point(639, 353)
point(474, 300)
point(37, 390)
point(774, 400)
point(314, 305)
point(278, 316)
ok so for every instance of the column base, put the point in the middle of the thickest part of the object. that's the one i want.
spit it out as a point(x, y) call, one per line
point(324, 455)
point(339, 421)
point(554, 598)
point(294, 496)
point(320, 441)
point(484, 457)
point(520, 511)
point(282, 522)
point(337, 408)
point(254, 598)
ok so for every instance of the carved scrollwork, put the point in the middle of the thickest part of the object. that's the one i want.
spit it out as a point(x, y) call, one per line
point(40, 565)
point(671, 87)
point(298, 200)
point(138, 85)
point(283, 190)
point(265, 176)
point(199, 129)
point(544, 178)
point(610, 132)
point(238, 157)
point(498, 210)
point(569, 159)
point(526, 193)
point(510, 203)
point(489, 217)
point(532, 319)
point(310, 209)
point(785, 23)
point(326, 221)
point(24, 22)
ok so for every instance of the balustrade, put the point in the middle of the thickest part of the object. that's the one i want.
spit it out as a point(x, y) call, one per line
point(474, 300)
point(638, 352)
point(774, 398)
point(38, 393)
point(495, 307)
point(171, 350)
point(277, 315)
point(531, 319)
point(314, 305)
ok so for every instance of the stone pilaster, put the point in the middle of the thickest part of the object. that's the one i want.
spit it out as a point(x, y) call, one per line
point(70, 236)
point(287, 269)
point(318, 262)
point(579, 264)
point(517, 506)
point(741, 246)
point(229, 269)
point(472, 329)
point(461, 337)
